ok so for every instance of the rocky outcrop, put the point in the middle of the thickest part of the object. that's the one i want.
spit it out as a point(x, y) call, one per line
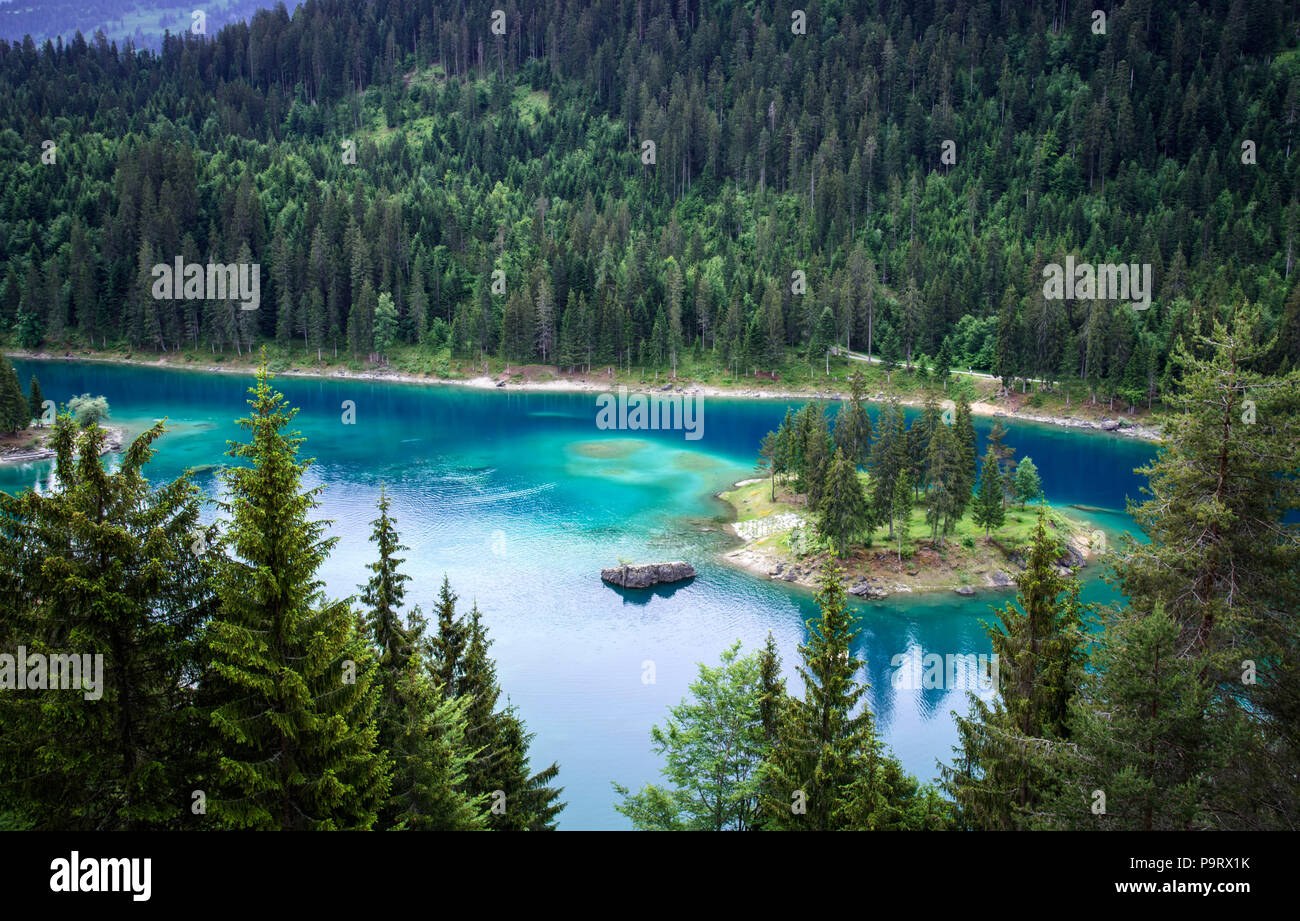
point(864, 589)
point(648, 574)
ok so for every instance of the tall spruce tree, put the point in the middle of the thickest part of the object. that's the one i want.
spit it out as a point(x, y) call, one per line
point(829, 770)
point(997, 781)
point(1223, 556)
point(888, 461)
point(289, 686)
point(816, 457)
point(423, 733)
point(1145, 744)
point(945, 482)
point(853, 425)
point(517, 799)
point(36, 401)
point(15, 410)
point(900, 512)
point(843, 512)
point(104, 565)
point(964, 433)
point(988, 512)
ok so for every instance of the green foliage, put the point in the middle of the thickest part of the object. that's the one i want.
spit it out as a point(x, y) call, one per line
point(713, 745)
point(1223, 559)
point(1146, 743)
point(87, 410)
point(290, 681)
point(498, 771)
point(36, 401)
point(988, 511)
point(828, 769)
point(15, 410)
point(997, 780)
point(843, 511)
point(1028, 484)
point(104, 566)
point(467, 164)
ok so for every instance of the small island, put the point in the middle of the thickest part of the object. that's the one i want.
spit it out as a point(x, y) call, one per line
point(901, 509)
point(647, 575)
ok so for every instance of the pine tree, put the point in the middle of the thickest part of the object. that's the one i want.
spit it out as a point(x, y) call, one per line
point(816, 456)
point(36, 402)
point(853, 425)
point(823, 338)
point(943, 493)
point(843, 511)
point(289, 687)
point(1223, 557)
point(773, 688)
point(1146, 743)
point(988, 512)
point(1038, 642)
point(888, 462)
point(828, 770)
point(964, 433)
point(768, 459)
point(516, 798)
point(900, 510)
point(104, 566)
point(383, 593)
point(14, 407)
point(423, 732)
point(1004, 454)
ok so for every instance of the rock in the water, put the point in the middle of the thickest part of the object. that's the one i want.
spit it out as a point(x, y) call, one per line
point(964, 590)
point(647, 575)
point(1109, 425)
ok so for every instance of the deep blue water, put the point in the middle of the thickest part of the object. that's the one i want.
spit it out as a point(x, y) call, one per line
point(520, 499)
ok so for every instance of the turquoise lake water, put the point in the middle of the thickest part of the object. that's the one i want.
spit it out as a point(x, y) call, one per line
point(520, 499)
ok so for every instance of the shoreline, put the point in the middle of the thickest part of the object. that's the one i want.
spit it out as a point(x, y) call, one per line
point(1112, 425)
point(873, 574)
point(115, 443)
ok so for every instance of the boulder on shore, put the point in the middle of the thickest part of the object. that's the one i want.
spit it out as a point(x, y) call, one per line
point(864, 589)
point(648, 574)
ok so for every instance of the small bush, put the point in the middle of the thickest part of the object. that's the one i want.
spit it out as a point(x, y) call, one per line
point(87, 410)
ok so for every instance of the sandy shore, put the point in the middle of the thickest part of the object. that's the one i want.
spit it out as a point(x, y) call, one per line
point(594, 384)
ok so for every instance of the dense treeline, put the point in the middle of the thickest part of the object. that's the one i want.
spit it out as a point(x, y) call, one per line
point(931, 462)
point(382, 160)
point(231, 692)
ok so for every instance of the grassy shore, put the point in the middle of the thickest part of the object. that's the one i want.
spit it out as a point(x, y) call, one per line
point(781, 543)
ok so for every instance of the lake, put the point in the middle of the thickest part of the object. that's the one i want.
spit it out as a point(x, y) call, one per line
point(521, 499)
